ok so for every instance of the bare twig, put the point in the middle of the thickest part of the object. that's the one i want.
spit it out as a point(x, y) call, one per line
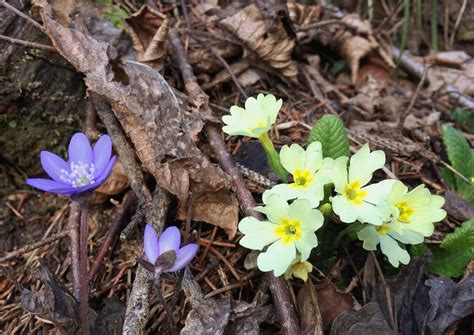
point(281, 296)
point(407, 111)
point(388, 294)
point(128, 202)
point(23, 15)
point(84, 234)
point(30, 247)
point(457, 23)
point(27, 43)
point(73, 225)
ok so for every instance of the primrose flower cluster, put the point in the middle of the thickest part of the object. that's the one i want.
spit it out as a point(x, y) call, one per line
point(389, 212)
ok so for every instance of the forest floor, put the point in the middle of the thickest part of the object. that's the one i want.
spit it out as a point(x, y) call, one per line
point(320, 59)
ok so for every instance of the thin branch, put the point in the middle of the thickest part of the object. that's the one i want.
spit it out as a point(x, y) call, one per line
point(27, 43)
point(73, 225)
point(84, 234)
point(457, 23)
point(23, 15)
point(128, 202)
point(281, 296)
point(407, 111)
point(30, 247)
point(388, 294)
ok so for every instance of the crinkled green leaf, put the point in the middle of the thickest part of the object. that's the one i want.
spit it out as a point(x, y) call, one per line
point(461, 157)
point(329, 130)
point(455, 252)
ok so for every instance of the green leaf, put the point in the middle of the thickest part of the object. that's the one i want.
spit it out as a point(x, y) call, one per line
point(461, 157)
point(455, 252)
point(449, 178)
point(459, 151)
point(464, 118)
point(329, 130)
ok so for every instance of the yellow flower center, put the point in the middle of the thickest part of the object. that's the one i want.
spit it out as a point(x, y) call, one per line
point(289, 230)
point(302, 178)
point(259, 124)
point(353, 193)
point(405, 211)
point(383, 229)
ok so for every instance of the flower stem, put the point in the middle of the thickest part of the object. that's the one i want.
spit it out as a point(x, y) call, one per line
point(84, 272)
point(73, 224)
point(273, 157)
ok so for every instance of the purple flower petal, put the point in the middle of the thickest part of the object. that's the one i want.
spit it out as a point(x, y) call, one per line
point(150, 244)
point(80, 149)
point(169, 240)
point(102, 152)
point(106, 171)
point(184, 256)
point(49, 185)
point(53, 165)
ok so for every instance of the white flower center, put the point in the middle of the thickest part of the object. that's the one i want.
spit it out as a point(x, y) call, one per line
point(81, 174)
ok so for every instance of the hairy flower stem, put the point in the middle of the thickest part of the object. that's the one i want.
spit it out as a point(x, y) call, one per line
point(84, 271)
point(73, 224)
point(273, 157)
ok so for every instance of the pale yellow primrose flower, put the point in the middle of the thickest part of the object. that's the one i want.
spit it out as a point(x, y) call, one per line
point(416, 210)
point(387, 236)
point(289, 228)
point(256, 119)
point(299, 269)
point(309, 176)
point(355, 201)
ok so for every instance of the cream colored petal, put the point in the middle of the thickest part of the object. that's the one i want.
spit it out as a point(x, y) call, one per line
point(311, 219)
point(397, 193)
point(276, 208)
point(370, 237)
point(407, 237)
point(278, 257)
point(258, 234)
point(363, 164)
point(313, 157)
point(292, 158)
point(306, 243)
point(346, 210)
point(338, 174)
point(285, 191)
point(393, 251)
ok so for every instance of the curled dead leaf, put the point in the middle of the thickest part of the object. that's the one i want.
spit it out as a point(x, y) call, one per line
point(115, 184)
point(274, 48)
point(150, 115)
point(332, 303)
point(148, 29)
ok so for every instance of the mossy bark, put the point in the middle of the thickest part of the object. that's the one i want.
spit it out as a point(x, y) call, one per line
point(41, 102)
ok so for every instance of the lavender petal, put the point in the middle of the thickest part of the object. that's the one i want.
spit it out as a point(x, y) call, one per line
point(49, 185)
point(184, 256)
point(169, 240)
point(80, 149)
point(150, 244)
point(102, 152)
point(53, 165)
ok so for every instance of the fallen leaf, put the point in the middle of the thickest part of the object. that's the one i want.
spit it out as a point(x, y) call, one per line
point(332, 303)
point(151, 116)
point(209, 317)
point(115, 184)
point(370, 319)
point(273, 47)
point(148, 29)
point(309, 309)
point(457, 207)
point(246, 318)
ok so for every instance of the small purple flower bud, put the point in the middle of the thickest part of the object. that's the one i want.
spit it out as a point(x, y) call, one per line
point(169, 240)
point(85, 171)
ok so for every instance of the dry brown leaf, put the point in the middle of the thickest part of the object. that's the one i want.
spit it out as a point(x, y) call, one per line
point(274, 48)
point(332, 303)
point(150, 115)
point(115, 184)
point(309, 308)
point(148, 29)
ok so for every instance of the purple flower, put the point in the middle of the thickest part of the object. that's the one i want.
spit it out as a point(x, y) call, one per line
point(170, 239)
point(86, 169)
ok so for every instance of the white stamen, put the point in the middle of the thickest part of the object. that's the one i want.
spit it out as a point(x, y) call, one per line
point(81, 174)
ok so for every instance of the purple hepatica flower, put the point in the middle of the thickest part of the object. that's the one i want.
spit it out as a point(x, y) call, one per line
point(86, 170)
point(170, 239)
